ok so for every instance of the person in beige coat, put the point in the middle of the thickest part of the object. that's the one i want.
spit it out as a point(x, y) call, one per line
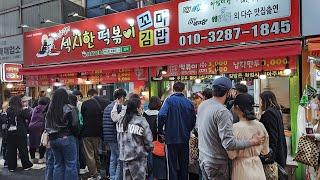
point(246, 164)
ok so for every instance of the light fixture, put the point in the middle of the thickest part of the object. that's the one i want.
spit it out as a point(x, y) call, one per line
point(74, 14)
point(164, 70)
point(9, 86)
point(26, 26)
point(217, 76)
point(54, 35)
point(57, 83)
point(287, 71)
point(197, 81)
point(87, 81)
point(145, 93)
point(108, 7)
point(99, 86)
point(131, 22)
point(102, 26)
point(243, 81)
point(76, 32)
point(48, 21)
point(49, 90)
point(263, 75)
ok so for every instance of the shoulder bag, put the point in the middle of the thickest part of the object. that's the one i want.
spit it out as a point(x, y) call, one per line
point(13, 128)
point(158, 147)
point(308, 152)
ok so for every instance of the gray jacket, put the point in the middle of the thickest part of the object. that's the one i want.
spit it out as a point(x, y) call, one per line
point(136, 141)
point(214, 123)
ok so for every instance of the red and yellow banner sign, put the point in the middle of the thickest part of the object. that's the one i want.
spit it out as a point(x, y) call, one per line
point(166, 27)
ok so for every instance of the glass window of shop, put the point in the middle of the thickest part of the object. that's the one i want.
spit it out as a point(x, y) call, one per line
point(274, 81)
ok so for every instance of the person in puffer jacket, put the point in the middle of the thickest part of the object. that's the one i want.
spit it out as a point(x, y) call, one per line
point(135, 141)
point(110, 135)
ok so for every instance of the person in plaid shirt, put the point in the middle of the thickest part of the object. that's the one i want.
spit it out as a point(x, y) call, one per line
point(135, 141)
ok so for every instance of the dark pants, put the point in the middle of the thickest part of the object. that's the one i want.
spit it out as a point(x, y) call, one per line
point(4, 149)
point(82, 159)
point(178, 161)
point(42, 151)
point(19, 142)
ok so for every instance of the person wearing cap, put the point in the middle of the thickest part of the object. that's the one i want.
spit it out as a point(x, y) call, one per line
point(25, 105)
point(215, 133)
point(178, 117)
point(238, 89)
point(246, 163)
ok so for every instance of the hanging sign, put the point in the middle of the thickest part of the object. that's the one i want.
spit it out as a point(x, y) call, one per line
point(167, 27)
point(10, 72)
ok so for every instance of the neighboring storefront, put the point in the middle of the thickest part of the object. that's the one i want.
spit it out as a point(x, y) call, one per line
point(11, 58)
point(193, 41)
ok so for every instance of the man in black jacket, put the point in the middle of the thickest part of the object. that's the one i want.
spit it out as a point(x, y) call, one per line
point(91, 132)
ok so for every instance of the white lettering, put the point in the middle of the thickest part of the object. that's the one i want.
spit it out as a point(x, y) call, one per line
point(135, 129)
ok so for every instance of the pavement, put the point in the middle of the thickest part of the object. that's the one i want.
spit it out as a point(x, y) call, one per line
point(35, 173)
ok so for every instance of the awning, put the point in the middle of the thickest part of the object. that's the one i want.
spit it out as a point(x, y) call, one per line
point(269, 50)
point(314, 44)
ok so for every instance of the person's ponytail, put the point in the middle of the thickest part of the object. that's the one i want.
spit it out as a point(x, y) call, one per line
point(132, 109)
point(249, 114)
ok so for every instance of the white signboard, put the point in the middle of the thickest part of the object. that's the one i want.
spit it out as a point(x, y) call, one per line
point(11, 49)
point(197, 15)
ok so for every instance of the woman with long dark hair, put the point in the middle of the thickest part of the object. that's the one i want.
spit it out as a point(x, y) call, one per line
point(246, 162)
point(135, 141)
point(17, 134)
point(60, 128)
point(272, 120)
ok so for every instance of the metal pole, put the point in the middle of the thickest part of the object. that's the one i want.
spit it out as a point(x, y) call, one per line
point(149, 81)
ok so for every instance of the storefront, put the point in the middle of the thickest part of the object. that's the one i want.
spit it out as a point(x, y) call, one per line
point(248, 41)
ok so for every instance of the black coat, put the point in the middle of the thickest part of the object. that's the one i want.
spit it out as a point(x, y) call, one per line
point(91, 112)
point(152, 120)
point(22, 117)
point(272, 120)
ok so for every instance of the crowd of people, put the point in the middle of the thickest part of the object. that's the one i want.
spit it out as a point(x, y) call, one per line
point(151, 144)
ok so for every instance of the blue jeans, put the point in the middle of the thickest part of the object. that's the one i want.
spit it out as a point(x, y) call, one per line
point(49, 164)
point(115, 168)
point(65, 158)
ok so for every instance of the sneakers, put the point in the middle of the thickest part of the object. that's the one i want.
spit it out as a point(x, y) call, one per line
point(34, 161)
point(41, 161)
point(95, 178)
point(83, 171)
point(28, 167)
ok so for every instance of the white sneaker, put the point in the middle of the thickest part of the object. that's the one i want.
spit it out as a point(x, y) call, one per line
point(34, 161)
point(83, 171)
point(41, 161)
point(98, 177)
